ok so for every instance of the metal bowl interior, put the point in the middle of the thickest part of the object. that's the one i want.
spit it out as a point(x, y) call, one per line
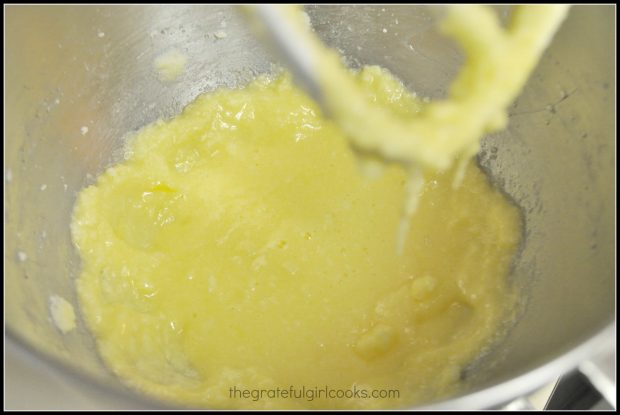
point(70, 67)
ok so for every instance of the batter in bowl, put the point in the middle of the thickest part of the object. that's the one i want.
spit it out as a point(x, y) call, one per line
point(238, 259)
point(239, 248)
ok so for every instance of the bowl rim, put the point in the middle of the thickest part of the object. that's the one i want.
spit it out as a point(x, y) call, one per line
point(484, 398)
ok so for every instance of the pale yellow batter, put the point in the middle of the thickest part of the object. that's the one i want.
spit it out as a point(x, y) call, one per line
point(239, 246)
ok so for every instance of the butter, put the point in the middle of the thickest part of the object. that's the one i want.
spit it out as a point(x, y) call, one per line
point(239, 245)
point(62, 314)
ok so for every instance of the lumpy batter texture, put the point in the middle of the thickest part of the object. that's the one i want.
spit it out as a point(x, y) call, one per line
point(498, 63)
point(239, 246)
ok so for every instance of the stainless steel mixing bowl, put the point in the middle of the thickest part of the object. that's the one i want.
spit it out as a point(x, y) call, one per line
point(69, 67)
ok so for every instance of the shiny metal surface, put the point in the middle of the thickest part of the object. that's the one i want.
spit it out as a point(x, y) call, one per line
point(271, 26)
point(69, 67)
